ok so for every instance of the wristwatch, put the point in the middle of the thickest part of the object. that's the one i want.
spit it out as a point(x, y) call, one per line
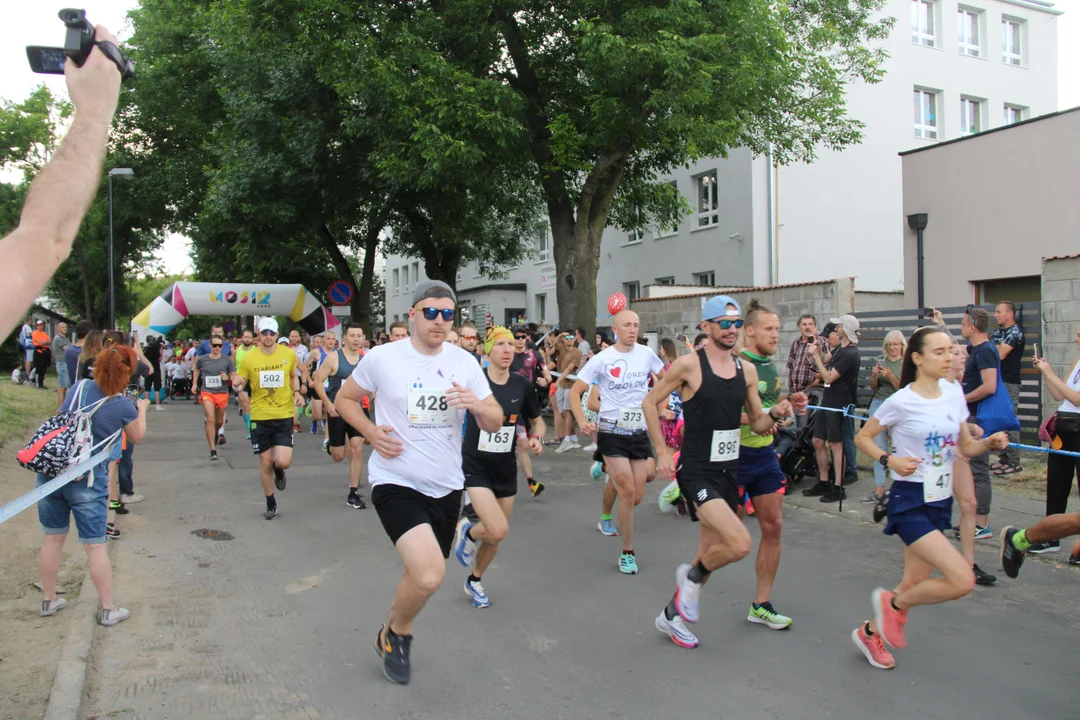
point(884, 460)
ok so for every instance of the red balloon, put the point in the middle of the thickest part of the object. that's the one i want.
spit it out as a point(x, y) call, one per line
point(616, 303)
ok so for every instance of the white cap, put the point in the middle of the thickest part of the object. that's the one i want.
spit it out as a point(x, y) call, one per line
point(283, 341)
point(268, 323)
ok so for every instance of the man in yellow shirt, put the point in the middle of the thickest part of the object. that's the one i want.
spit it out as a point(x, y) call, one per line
point(274, 389)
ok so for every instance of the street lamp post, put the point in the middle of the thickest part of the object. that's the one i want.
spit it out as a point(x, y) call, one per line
point(118, 172)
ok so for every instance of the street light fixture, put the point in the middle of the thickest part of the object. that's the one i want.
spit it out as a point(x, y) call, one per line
point(118, 172)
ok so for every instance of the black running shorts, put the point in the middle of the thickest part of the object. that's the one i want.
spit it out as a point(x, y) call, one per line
point(700, 488)
point(266, 434)
point(631, 447)
point(829, 426)
point(339, 430)
point(401, 508)
point(501, 487)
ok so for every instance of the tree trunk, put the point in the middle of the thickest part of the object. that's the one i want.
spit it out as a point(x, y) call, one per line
point(361, 304)
point(87, 310)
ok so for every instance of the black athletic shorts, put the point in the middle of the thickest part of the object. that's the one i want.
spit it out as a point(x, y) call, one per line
point(401, 508)
point(631, 447)
point(499, 486)
point(266, 434)
point(699, 488)
point(829, 426)
point(339, 430)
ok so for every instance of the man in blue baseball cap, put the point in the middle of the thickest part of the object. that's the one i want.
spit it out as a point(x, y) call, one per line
point(716, 388)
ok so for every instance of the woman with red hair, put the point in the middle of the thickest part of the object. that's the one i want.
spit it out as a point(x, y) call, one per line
point(113, 367)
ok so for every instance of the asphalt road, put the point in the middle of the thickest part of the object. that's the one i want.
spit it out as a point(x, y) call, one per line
point(279, 621)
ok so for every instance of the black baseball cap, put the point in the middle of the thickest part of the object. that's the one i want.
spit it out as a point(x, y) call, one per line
point(432, 289)
point(827, 330)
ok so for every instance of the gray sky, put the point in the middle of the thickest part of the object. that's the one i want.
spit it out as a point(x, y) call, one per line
point(38, 24)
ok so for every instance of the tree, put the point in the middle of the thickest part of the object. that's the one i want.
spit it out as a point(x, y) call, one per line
point(597, 100)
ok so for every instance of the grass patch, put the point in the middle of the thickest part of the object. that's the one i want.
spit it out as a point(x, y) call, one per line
point(23, 408)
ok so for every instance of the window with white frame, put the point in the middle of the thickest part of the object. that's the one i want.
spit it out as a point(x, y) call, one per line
point(632, 290)
point(541, 307)
point(459, 275)
point(416, 273)
point(634, 236)
point(397, 281)
point(674, 229)
point(969, 37)
point(543, 246)
point(922, 22)
point(705, 278)
point(708, 199)
point(405, 276)
point(1012, 46)
point(669, 280)
point(926, 116)
point(1014, 113)
point(970, 115)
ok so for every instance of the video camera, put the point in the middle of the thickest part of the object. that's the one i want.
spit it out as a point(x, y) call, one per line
point(77, 46)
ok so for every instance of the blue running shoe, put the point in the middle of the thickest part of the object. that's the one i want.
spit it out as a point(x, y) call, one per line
point(466, 548)
point(476, 591)
point(607, 527)
point(628, 564)
point(596, 472)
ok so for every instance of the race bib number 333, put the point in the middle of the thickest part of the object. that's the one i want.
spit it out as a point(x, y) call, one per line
point(212, 381)
point(428, 407)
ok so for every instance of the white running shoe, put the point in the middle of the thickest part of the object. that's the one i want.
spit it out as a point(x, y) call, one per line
point(131, 499)
point(564, 445)
point(590, 448)
point(689, 594)
point(51, 607)
point(676, 630)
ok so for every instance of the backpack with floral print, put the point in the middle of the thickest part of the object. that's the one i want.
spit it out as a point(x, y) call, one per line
point(64, 440)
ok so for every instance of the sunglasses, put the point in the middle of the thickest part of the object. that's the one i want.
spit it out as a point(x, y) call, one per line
point(266, 333)
point(213, 345)
point(469, 337)
point(726, 324)
point(520, 337)
point(432, 313)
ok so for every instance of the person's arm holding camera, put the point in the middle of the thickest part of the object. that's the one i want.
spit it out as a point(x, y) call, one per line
point(61, 193)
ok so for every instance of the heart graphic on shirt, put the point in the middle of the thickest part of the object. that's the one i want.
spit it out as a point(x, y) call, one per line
point(616, 369)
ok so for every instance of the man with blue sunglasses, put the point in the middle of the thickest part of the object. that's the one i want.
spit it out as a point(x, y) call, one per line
point(425, 386)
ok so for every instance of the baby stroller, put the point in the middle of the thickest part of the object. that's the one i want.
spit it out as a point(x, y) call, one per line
point(799, 460)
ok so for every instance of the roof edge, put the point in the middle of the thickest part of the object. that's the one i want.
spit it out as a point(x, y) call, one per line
point(991, 131)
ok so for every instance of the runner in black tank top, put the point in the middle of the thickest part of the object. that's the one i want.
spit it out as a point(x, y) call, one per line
point(715, 387)
point(344, 440)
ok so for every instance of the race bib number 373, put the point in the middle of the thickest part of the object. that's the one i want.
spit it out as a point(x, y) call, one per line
point(271, 379)
point(631, 418)
point(429, 407)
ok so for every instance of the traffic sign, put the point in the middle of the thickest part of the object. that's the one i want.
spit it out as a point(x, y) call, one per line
point(341, 292)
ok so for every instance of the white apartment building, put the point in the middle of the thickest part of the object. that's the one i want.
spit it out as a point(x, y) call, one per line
point(954, 68)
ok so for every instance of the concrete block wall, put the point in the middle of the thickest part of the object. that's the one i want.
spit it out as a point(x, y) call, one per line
point(672, 316)
point(1061, 318)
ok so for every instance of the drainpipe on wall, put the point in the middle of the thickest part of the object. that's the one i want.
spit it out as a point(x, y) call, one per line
point(773, 249)
point(917, 222)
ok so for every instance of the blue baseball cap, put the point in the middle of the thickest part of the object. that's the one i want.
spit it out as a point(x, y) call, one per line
point(718, 307)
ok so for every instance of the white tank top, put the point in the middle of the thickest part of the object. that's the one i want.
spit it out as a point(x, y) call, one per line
point(1073, 382)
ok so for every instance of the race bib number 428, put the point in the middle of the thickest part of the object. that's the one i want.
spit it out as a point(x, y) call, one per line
point(271, 379)
point(429, 407)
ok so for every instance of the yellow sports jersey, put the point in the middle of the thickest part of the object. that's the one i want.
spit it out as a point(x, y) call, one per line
point(271, 382)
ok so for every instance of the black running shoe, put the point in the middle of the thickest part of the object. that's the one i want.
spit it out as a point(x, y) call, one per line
point(270, 513)
point(983, 578)
point(118, 507)
point(279, 478)
point(356, 500)
point(1040, 548)
point(213, 454)
point(833, 494)
point(394, 651)
point(817, 489)
point(882, 507)
point(536, 488)
point(1074, 559)
point(1011, 558)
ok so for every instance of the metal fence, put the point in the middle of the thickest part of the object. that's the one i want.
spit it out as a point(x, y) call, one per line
point(875, 325)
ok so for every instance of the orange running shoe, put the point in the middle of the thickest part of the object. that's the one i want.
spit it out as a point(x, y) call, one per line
point(890, 621)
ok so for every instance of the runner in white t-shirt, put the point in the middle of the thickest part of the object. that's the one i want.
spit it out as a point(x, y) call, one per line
point(623, 372)
point(424, 386)
point(927, 421)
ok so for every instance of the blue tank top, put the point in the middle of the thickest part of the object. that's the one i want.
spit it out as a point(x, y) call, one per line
point(344, 370)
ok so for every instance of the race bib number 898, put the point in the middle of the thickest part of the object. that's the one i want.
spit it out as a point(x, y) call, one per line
point(725, 446)
point(271, 379)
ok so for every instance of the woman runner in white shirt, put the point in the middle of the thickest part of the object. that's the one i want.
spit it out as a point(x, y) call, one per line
point(927, 418)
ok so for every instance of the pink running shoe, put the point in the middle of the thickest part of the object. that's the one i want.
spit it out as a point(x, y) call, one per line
point(889, 620)
point(873, 648)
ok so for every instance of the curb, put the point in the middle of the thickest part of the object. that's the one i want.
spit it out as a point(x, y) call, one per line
point(69, 685)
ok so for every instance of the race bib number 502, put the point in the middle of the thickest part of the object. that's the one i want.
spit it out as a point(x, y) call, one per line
point(271, 379)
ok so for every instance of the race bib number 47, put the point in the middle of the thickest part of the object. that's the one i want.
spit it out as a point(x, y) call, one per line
point(271, 379)
point(725, 446)
point(429, 407)
point(937, 483)
point(500, 441)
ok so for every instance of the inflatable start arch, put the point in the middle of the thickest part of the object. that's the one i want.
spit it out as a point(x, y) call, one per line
point(195, 298)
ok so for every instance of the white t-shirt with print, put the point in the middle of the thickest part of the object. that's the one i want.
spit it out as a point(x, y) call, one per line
point(411, 389)
point(924, 429)
point(623, 377)
point(301, 353)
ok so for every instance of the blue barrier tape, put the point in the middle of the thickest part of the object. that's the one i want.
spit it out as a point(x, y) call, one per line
point(19, 504)
point(849, 412)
